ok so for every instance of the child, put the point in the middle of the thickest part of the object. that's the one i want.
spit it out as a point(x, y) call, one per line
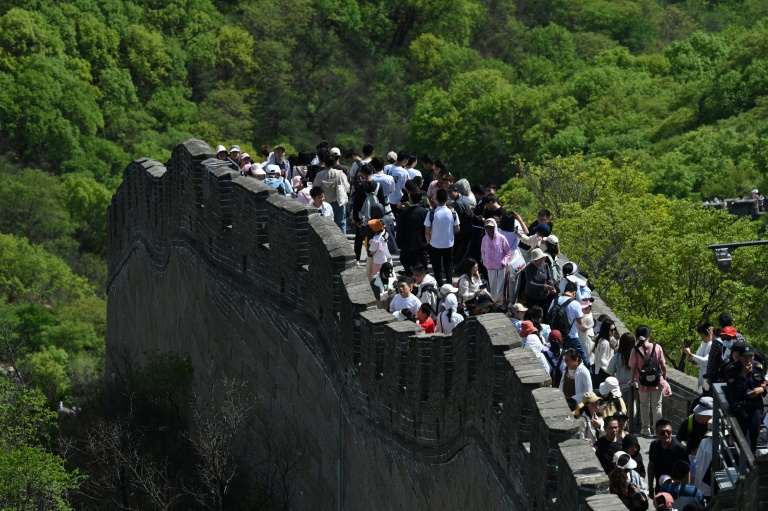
point(424, 318)
point(377, 246)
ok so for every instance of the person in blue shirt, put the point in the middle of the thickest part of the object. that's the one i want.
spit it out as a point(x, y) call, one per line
point(680, 485)
point(277, 181)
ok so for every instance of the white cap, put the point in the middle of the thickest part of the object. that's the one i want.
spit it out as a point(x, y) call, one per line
point(576, 280)
point(220, 148)
point(335, 151)
point(273, 169)
point(552, 239)
point(392, 156)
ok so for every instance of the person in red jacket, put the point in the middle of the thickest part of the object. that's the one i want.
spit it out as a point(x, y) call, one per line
point(424, 318)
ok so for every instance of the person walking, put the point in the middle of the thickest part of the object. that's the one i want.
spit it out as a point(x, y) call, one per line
point(649, 372)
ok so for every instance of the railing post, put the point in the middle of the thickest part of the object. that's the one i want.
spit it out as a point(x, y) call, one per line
point(717, 461)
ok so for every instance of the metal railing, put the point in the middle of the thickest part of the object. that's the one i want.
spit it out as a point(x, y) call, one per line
point(732, 455)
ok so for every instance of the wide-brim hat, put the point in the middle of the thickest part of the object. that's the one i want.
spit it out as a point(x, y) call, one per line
point(527, 328)
point(537, 254)
point(610, 386)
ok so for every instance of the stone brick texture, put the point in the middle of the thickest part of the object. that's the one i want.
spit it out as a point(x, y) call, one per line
point(250, 284)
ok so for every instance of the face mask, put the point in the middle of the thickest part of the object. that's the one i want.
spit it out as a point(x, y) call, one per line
point(728, 343)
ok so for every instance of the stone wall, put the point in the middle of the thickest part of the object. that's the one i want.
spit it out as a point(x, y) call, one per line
point(249, 284)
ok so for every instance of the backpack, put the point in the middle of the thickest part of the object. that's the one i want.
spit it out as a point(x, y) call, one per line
point(370, 200)
point(432, 216)
point(649, 373)
point(558, 316)
point(555, 373)
point(634, 498)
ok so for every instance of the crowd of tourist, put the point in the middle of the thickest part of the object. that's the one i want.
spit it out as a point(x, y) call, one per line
point(485, 258)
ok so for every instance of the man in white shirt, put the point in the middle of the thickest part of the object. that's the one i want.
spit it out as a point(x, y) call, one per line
point(574, 313)
point(400, 176)
point(386, 182)
point(410, 166)
point(441, 224)
point(318, 201)
point(404, 299)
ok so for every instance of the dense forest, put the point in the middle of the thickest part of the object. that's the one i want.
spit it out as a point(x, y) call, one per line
point(629, 111)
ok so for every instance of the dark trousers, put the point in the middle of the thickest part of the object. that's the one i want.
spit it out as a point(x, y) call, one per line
point(410, 258)
point(749, 420)
point(575, 343)
point(442, 260)
point(358, 242)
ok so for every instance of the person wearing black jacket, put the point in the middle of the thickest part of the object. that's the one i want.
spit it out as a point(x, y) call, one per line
point(367, 186)
point(410, 234)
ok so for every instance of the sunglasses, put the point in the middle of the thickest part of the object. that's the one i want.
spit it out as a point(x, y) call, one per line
point(665, 432)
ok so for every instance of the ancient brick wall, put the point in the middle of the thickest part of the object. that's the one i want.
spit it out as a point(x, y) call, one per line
point(250, 284)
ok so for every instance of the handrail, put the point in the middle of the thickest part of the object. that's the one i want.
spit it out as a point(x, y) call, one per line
point(722, 455)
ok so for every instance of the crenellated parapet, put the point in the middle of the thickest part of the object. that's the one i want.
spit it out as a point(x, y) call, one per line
point(249, 283)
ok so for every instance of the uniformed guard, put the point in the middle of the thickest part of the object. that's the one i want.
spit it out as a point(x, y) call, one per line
point(745, 379)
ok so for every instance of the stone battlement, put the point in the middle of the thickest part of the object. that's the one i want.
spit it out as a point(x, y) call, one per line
point(250, 284)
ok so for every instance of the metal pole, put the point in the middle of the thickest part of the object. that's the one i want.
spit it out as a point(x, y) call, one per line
point(738, 244)
point(341, 416)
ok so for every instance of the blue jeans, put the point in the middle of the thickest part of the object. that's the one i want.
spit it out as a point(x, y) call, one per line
point(340, 216)
point(575, 343)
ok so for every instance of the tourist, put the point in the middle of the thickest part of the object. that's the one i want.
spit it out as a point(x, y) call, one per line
point(606, 342)
point(693, 428)
point(619, 368)
point(471, 285)
point(449, 318)
point(495, 253)
point(424, 318)
point(612, 400)
point(576, 379)
point(663, 453)
point(410, 234)
point(540, 286)
point(377, 246)
point(609, 444)
point(627, 484)
point(680, 484)
point(318, 201)
point(701, 357)
point(336, 187)
point(631, 445)
point(567, 318)
point(440, 225)
point(404, 299)
point(384, 284)
point(745, 390)
point(649, 371)
point(590, 421)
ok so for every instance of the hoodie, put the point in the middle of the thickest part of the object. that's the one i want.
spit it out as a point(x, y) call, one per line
point(495, 252)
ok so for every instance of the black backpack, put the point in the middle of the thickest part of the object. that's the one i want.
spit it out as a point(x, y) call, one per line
point(555, 373)
point(558, 316)
point(649, 373)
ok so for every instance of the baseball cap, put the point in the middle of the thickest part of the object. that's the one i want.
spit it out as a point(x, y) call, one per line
point(220, 148)
point(234, 148)
point(552, 239)
point(588, 397)
point(518, 307)
point(729, 331)
point(392, 156)
point(447, 289)
point(245, 155)
point(663, 500)
point(748, 350)
point(335, 151)
point(272, 169)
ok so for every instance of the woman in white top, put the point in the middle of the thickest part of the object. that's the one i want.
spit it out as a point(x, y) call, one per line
point(469, 283)
point(701, 358)
point(605, 343)
point(590, 421)
point(586, 336)
point(576, 380)
point(449, 318)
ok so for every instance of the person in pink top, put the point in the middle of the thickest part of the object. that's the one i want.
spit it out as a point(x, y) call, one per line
point(299, 185)
point(495, 252)
point(648, 372)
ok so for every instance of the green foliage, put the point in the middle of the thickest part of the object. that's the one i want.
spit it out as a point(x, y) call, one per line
point(30, 477)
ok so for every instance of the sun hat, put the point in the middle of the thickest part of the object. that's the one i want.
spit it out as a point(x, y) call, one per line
point(537, 254)
point(489, 223)
point(586, 303)
point(705, 407)
point(234, 148)
point(245, 155)
point(624, 461)
point(555, 334)
point(610, 386)
point(447, 289)
point(257, 170)
point(518, 307)
point(527, 328)
point(220, 148)
point(376, 224)
point(590, 397)
point(576, 280)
